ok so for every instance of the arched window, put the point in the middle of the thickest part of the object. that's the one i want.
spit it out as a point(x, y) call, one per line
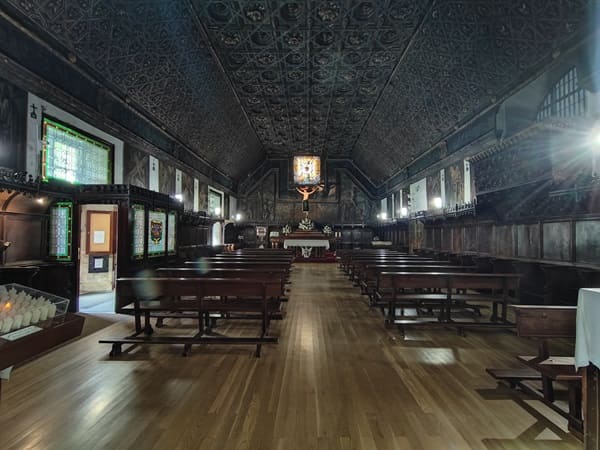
point(565, 99)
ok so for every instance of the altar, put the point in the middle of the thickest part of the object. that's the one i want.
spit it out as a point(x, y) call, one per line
point(308, 243)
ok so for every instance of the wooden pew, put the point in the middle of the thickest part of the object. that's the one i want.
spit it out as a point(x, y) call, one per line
point(196, 298)
point(369, 272)
point(406, 289)
point(221, 264)
point(357, 266)
point(545, 322)
point(354, 264)
point(259, 273)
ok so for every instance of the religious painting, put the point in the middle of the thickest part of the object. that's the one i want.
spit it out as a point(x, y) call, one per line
point(13, 105)
point(260, 204)
point(136, 167)
point(307, 170)
point(187, 191)
point(355, 205)
point(166, 179)
point(203, 197)
point(528, 240)
point(557, 241)
point(454, 184)
point(587, 241)
point(434, 189)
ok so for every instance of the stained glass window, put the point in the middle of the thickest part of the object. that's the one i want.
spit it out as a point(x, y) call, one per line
point(157, 241)
point(172, 233)
point(72, 156)
point(60, 231)
point(307, 170)
point(138, 225)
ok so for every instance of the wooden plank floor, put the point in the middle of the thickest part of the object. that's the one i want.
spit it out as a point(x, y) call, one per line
point(337, 380)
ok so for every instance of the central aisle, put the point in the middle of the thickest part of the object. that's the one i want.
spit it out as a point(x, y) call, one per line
point(337, 380)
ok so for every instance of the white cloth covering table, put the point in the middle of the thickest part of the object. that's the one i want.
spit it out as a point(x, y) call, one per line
point(306, 244)
point(587, 341)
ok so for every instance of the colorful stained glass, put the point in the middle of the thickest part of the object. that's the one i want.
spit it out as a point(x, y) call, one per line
point(74, 157)
point(60, 231)
point(138, 231)
point(307, 170)
point(172, 233)
point(157, 227)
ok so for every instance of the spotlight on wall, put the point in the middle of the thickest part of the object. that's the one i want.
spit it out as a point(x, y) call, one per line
point(437, 202)
point(179, 197)
point(238, 217)
point(403, 211)
point(217, 211)
point(40, 200)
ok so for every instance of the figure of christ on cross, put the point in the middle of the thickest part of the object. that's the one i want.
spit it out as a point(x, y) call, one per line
point(307, 191)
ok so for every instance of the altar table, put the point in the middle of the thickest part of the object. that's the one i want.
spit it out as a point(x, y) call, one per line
point(306, 244)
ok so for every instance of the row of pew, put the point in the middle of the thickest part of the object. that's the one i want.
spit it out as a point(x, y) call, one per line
point(413, 290)
point(249, 284)
point(416, 290)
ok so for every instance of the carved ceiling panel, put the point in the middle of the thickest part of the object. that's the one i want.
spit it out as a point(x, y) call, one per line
point(378, 81)
point(153, 52)
point(465, 55)
point(309, 72)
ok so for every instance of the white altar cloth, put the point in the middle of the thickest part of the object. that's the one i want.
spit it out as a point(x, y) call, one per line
point(306, 243)
point(587, 341)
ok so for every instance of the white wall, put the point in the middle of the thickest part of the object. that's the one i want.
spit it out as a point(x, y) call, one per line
point(34, 136)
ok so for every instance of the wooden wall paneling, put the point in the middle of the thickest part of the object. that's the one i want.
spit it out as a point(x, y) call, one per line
point(557, 240)
point(485, 232)
point(587, 241)
point(527, 240)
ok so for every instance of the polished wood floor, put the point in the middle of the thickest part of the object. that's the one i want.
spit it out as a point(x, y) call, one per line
point(337, 380)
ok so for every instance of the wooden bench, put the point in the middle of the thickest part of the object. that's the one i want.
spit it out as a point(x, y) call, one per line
point(369, 273)
point(407, 290)
point(194, 298)
point(357, 267)
point(545, 322)
point(257, 273)
point(354, 267)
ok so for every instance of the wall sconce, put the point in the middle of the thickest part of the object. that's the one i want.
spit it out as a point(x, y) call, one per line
point(217, 211)
point(179, 197)
point(33, 115)
point(238, 217)
point(382, 216)
point(403, 211)
point(437, 202)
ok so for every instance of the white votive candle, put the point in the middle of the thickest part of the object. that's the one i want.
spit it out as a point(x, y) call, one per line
point(35, 315)
point(26, 318)
point(18, 321)
point(44, 312)
point(52, 310)
point(6, 325)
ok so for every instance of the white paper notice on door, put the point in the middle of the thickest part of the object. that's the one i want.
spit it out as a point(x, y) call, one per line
point(99, 237)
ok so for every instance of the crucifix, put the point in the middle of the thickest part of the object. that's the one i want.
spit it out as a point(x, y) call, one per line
point(306, 192)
